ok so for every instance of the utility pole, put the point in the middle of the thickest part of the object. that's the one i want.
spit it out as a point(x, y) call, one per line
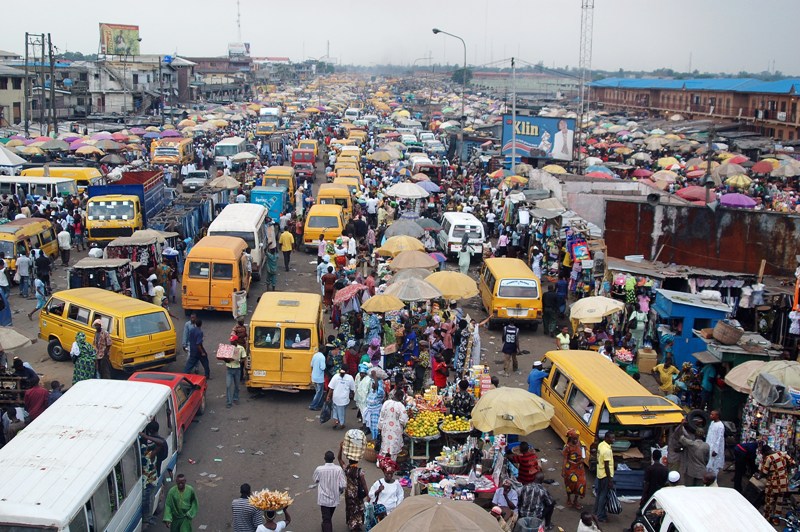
point(42, 94)
point(585, 65)
point(52, 86)
point(26, 90)
point(161, 89)
point(513, 114)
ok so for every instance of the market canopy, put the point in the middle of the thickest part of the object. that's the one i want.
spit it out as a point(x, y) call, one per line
point(404, 228)
point(407, 191)
point(737, 377)
point(413, 259)
point(397, 244)
point(11, 340)
point(787, 372)
point(413, 290)
point(510, 410)
point(9, 158)
point(382, 303)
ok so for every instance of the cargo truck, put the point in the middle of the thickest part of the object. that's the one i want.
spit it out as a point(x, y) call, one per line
point(120, 208)
point(273, 198)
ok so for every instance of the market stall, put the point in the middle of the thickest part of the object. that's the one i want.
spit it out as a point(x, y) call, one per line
point(108, 274)
point(144, 250)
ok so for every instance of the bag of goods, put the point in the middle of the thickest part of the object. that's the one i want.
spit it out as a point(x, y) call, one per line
point(355, 443)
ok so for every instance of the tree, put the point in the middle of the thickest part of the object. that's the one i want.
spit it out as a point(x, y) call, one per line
point(460, 74)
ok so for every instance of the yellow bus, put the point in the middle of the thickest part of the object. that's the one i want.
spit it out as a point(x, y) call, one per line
point(286, 329)
point(216, 267)
point(510, 291)
point(83, 175)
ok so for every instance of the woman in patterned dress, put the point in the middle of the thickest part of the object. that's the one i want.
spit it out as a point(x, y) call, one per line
point(572, 470)
point(374, 403)
point(391, 423)
point(775, 469)
point(85, 358)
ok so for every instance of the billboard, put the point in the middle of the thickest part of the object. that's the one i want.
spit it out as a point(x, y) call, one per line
point(119, 39)
point(238, 49)
point(540, 137)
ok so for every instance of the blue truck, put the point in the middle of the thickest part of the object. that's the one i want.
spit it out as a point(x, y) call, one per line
point(124, 206)
point(273, 198)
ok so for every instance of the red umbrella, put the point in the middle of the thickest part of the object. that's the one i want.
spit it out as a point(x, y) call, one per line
point(347, 293)
point(762, 167)
point(599, 175)
point(592, 141)
point(642, 172)
point(696, 173)
point(695, 193)
point(738, 159)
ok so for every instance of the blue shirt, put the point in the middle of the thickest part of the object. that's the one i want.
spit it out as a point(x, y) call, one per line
point(318, 368)
point(195, 339)
point(535, 378)
point(561, 288)
point(410, 346)
point(708, 373)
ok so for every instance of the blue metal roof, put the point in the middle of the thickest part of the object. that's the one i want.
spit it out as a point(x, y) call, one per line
point(785, 86)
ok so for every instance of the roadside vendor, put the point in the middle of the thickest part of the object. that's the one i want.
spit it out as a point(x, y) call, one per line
point(664, 375)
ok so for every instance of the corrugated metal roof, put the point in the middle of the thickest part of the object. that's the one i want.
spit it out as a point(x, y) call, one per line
point(785, 86)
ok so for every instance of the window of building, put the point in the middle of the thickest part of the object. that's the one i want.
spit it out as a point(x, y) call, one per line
point(135, 79)
point(3, 84)
point(83, 76)
point(16, 84)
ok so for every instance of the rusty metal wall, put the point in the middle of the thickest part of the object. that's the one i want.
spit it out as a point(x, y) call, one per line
point(728, 239)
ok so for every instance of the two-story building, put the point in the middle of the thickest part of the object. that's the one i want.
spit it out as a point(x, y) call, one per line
point(767, 107)
point(12, 95)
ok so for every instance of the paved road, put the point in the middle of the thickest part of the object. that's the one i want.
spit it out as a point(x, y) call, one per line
point(272, 440)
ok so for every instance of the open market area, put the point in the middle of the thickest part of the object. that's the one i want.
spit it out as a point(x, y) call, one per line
point(253, 293)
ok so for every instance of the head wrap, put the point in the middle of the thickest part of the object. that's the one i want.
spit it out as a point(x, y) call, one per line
point(363, 368)
point(388, 465)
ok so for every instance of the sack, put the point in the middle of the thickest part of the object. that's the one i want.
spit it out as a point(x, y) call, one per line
point(326, 412)
point(613, 505)
point(17, 277)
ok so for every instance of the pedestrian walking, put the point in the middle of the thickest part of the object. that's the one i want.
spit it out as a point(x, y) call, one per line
point(341, 390)
point(43, 264)
point(233, 375)
point(24, 265)
point(187, 328)
point(197, 352)
point(246, 517)
point(510, 348)
point(102, 345)
point(286, 242)
point(331, 483)
point(354, 493)
point(550, 311)
point(5, 283)
point(716, 443)
point(318, 378)
point(181, 506)
point(272, 268)
point(41, 297)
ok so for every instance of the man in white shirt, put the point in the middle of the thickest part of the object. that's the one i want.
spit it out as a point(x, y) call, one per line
point(64, 245)
point(330, 482)
point(716, 444)
point(341, 390)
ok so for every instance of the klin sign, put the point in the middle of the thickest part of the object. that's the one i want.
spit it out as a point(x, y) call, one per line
point(526, 128)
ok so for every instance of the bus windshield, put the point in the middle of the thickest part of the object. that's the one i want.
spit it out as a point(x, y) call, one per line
point(226, 150)
point(323, 222)
point(247, 236)
point(166, 152)
point(518, 288)
point(111, 210)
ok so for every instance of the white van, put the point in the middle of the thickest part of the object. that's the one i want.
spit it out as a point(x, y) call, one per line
point(227, 148)
point(454, 226)
point(352, 114)
point(699, 509)
point(248, 222)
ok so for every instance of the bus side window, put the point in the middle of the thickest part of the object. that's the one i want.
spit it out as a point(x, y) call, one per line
point(79, 522)
point(131, 470)
point(560, 383)
point(102, 509)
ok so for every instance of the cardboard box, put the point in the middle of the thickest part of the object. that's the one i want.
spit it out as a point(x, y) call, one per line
point(646, 360)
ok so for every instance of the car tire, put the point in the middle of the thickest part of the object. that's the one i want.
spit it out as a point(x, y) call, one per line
point(56, 351)
point(202, 408)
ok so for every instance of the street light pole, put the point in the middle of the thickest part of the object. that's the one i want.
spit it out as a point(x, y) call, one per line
point(437, 31)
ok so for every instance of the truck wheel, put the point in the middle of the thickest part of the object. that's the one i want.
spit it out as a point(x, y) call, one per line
point(535, 326)
point(56, 352)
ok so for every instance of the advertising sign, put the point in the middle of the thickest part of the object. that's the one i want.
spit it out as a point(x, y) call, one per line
point(238, 49)
point(119, 39)
point(540, 137)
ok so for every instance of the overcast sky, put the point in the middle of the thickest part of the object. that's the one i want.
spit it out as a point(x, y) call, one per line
point(710, 35)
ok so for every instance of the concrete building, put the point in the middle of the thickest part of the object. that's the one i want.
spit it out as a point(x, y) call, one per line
point(766, 107)
point(224, 78)
point(12, 96)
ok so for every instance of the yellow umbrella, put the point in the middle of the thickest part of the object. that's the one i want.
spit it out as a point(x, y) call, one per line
point(509, 410)
point(402, 114)
point(152, 128)
point(219, 122)
point(593, 309)
point(664, 175)
point(454, 285)
point(774, 162)
point(37, 144)
point(412, 259)
point(382, 303)
point(30, 150)
point(725, 155)
point(425, 514)
point(89, 150)
point(14, 142)
point(554, 169)
point(738, 181)
point(382, 156)
point(623, 151)
point(397, 244)
point(666, 162)
point(168, 126)
point(186, 123)
point(312, 110)
point(515, 180)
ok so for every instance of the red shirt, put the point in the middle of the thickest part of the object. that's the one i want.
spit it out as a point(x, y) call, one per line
point(35, 402)
point(528, 464)
point(439, 379)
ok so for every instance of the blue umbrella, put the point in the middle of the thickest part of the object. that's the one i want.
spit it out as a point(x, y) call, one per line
point(429, 186)
point(152, 135)
point(599, 168)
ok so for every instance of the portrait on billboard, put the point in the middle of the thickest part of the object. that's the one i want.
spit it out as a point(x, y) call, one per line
point(562, 142)
point(119, 39)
